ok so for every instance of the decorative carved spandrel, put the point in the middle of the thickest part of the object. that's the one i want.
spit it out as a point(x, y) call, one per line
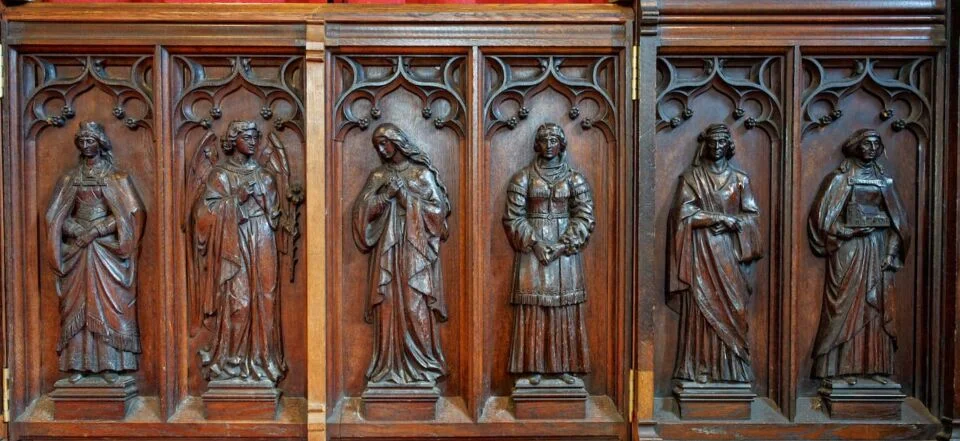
point(58, 85)
point(239, 123)
point(94, 221)
point(750, 84)
point(715, 236)
point(859, 224)
point(899, 85)
point(584, 82)
point(548, 219)
point(400, 219)
point(436, 81)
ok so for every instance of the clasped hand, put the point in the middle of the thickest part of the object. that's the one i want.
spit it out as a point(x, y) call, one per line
point(547, 253)
point(724, 224)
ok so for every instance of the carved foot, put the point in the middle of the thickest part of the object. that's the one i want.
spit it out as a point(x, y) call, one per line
point(110, 377)
point(568, 378)
point(882, 379)
point(77, 376)
point(535, 379)
point(851, 380)
point(703, 378)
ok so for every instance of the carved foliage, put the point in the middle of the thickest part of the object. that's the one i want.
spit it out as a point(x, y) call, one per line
point(58, 81)
point(749, 83)
point(899, 84)
point(437, 81)
point(586, 82)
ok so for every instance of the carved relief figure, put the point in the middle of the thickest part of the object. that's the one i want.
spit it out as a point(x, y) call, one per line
point(858, 223)
point(400, 219)
point(715, 237)
point(235, 221)
point(94, 224)
point(548, 220)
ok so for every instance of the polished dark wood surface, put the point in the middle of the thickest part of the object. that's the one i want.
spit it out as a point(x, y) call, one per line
point(792, 81)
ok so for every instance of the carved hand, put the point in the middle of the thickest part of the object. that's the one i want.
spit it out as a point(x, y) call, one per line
point(395, 185)
point(891, 263)
point(87, 236)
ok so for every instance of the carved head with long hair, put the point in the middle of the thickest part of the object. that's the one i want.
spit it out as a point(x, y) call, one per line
point(411, 151)
point(714, 143)
point(91, 130)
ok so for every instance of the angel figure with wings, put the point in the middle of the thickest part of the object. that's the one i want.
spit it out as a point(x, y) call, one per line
point(237, 220)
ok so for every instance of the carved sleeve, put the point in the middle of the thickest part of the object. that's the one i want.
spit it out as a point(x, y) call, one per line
point(749, 247)
point(369, 219)
point(519, 231)
point(582, 219)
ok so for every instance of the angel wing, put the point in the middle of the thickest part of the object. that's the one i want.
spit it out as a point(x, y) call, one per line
point(274, 158)
point(203, 161)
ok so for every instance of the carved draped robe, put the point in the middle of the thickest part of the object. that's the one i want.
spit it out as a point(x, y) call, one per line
point(545, 204)
point(239, 274)
point(97, 282)
point(405, 297)
point(709, 283)
point(856, 334)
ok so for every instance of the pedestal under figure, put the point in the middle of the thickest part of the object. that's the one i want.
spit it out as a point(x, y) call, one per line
point(400, 219)
point(94, 224)
point(548, 220)
point(715, 239)
point(858, 223)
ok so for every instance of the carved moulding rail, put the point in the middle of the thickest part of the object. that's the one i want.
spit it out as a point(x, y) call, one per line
point(755, 88)
point(587, 82)
point(54, 88)
point(368, 79)
point(903, 86)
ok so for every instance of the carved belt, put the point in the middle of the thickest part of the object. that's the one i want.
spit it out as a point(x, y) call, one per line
point(91, 212)
point(564, 215)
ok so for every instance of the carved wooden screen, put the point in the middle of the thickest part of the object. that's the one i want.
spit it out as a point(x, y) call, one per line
point(796, 105)
point(528, 222)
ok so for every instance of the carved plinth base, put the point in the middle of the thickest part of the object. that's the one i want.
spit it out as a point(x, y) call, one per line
point(551, 399)
point(867, 399)
point(93, 398)
point(241, 400)
point(713, 401)
point(400, 402)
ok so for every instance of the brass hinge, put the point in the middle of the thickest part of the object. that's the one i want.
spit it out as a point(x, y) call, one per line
point(631, 387)
point(635, 61)
point(3, 75)
point(6, 395)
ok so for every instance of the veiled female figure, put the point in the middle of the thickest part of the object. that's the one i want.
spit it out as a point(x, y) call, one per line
point(549, 218)
point(94, 224)
point(234, 237)
point(400, 219)
point(857, 222)
point(715, 236)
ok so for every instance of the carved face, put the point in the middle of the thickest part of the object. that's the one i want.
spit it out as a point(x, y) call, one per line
point(716, 148)
point(869, 149)
point(247, 142)
point(89, 146)
point(385, 148)
point(548, 146)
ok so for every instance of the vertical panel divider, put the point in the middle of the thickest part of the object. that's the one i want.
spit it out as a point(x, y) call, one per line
point(788, 378)
point(475, 166)
point(170, 364)
point(315, 234)
point(647, 295)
